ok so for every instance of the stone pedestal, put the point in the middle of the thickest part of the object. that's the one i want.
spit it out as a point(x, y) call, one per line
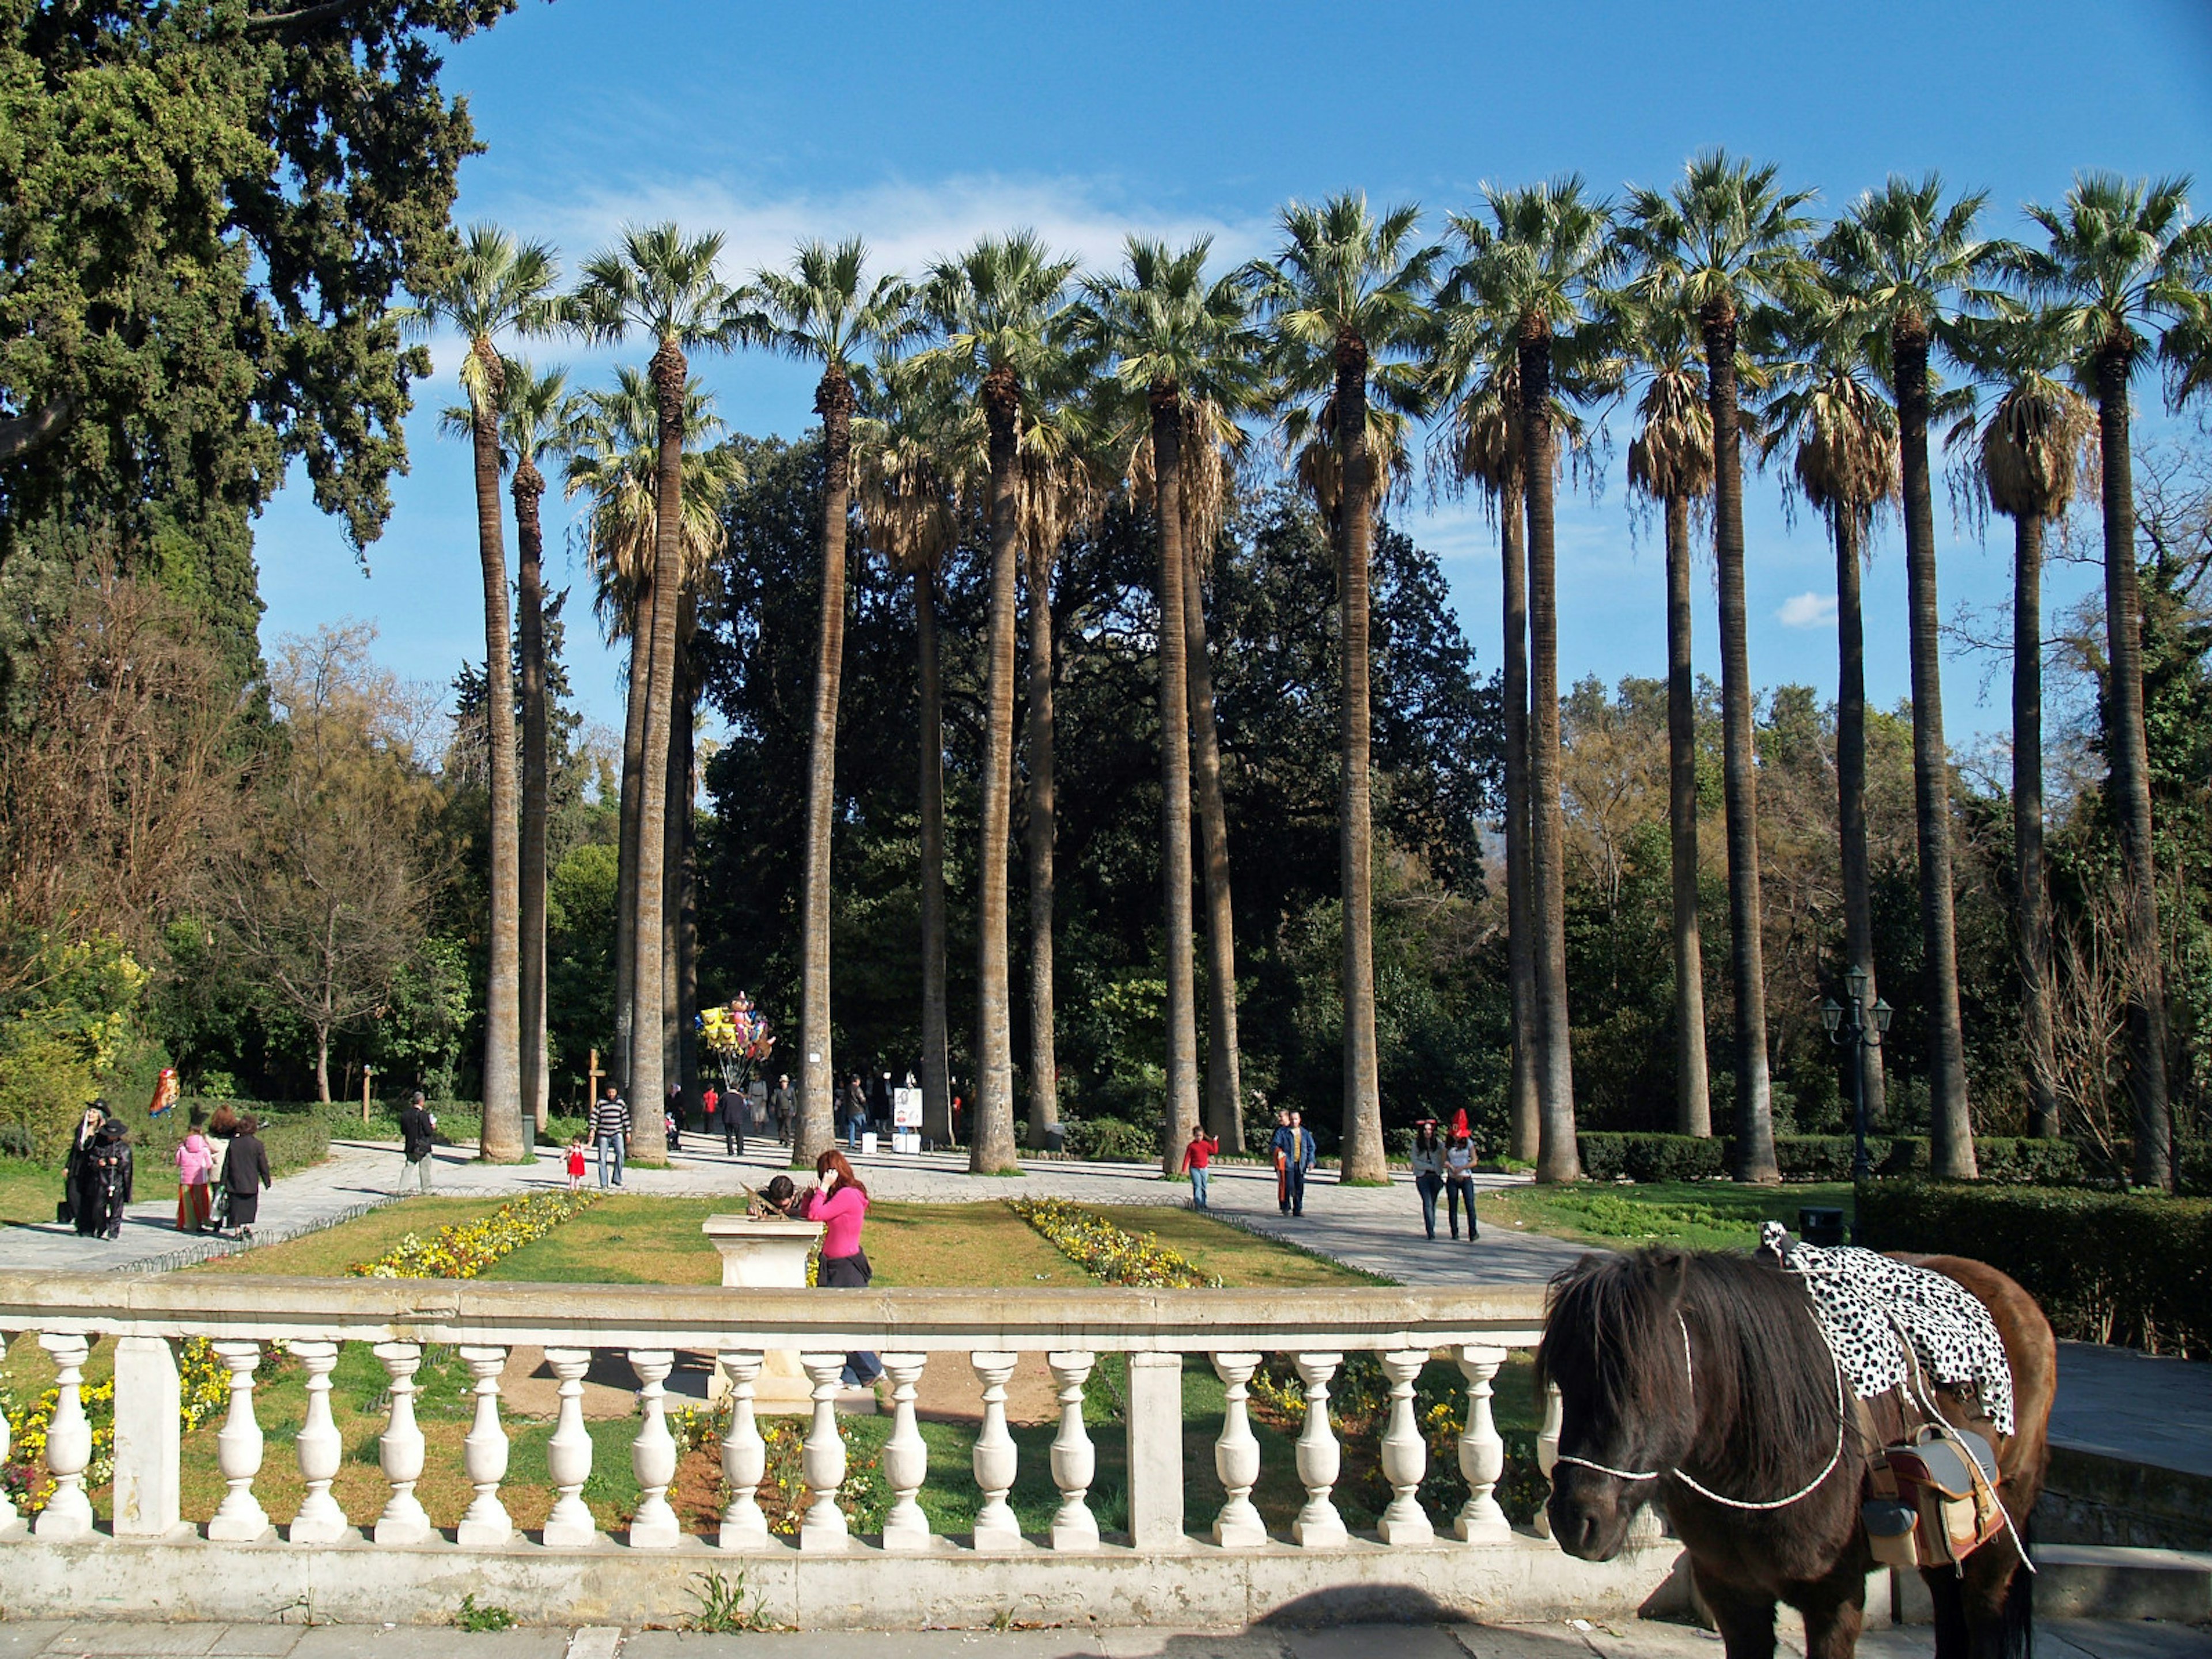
point(764, 1255)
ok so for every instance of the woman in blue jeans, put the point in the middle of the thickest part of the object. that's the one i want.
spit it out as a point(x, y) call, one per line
point(1458, 1184)
point(1428, 1171)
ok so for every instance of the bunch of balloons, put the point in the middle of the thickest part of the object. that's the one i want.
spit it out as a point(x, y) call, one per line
point(737, 1038)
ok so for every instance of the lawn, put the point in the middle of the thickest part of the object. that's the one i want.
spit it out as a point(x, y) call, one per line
point(1709, 1215)
point(28, 1192)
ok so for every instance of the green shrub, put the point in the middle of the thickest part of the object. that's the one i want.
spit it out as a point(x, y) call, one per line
point(2134, 1268)
point(1110, 1138)
point(1649, 1156)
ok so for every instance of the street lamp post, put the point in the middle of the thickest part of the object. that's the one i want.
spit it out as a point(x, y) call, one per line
point(1861, 1024)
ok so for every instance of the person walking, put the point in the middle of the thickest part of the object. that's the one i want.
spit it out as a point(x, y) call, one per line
point(1280, 1148)
point(841, 1204)
point(1303, 1156)
point(109, 1187)
point(76, 1207)
point(778, 1109)
point(673, 1117)
point(195, 1169)
point(1428, 1171)
point(417, 1136)
point(879, 1102)
point(1196, 1157)
point(244, 1173)
point(575, 1161)
point(610, 1127)
point(1459, 1182)
point(856, 1112)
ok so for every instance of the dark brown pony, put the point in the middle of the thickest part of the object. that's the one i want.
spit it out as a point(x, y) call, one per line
point(1752, 1418)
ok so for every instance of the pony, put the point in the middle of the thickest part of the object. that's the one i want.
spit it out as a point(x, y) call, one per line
point(1702, 1382)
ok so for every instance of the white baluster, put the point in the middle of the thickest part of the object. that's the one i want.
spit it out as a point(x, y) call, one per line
point(996, 1527)
point(320, 1520)
point(1236, 1456)
point(485, 1524)
point(744, 1456)
point(241, 1518)
point(68, 1513)
point(1481, 1453)
point(653, 1454)
point(906, 1457)
point(569, 1526)
point(1547, 1450)
point(823, 1530)
point(1404, 1452)
point(400, 1449)
point(1318, 1526)
point(1074, 1462)
point(10, 1518)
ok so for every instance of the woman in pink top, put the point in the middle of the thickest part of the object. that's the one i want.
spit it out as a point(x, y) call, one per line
point(841, 1204)
point(195, 1169)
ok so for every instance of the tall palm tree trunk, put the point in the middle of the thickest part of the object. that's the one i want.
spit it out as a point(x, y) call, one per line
point(1851, 786)
point(1044, 1064)
point(632, 815)
point(1952, 1129)
point(1556, 1155)
point(1693, 1109)
point(991, 1147)
point(684, 777)
point(1174, 779)
point(648, 1090)
point(1520, 929)
point(2128, 754)
point(673, 841)
point(2027, 825)
point(502, 1140)
point(528, 487)
point(833, 401)
point(1224, 1080)
point(1363, 1158)
point(936, 1083)
point(1754, 1102)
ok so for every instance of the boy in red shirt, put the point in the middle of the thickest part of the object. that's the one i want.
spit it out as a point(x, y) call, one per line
point(1195, 1157)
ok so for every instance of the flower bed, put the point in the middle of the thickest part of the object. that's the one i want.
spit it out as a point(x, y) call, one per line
point(1114, 1254)
point(465, 1250)
point(204, 1387)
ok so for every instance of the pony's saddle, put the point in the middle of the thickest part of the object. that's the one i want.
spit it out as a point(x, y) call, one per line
point(1931, 1485)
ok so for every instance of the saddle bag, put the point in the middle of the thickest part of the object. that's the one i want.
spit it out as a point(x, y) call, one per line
point(1945, 1480)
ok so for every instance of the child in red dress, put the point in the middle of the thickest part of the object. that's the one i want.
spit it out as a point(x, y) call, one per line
point(575, 1165)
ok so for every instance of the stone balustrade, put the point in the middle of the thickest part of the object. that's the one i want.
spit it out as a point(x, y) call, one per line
point(980, 1336)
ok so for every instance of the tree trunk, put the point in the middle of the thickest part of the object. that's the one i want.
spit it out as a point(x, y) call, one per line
point(633, 809)
point(529, 486)
point(648, 1091)
point(1951, 1151)
point(1175, 779)
point(1556, 1155)
point(1520, 929)
point(2035, 994)
point(1044, 1063)
point(1362, 1152)
point(1693, 1109)
point(2128, 757)
point(672, 1005)
point(992, 1137)
point(501, 1141)
point(1754, 1103)
point(323, 1064)
point(685, 742)
point(1850, 789)
point(936, 1086)
point(833, 401)
point(1224, 1065)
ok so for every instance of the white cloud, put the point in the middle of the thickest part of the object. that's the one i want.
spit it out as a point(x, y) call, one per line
point(1808, 610)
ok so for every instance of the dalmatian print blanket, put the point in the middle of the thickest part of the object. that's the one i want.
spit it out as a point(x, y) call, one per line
point(1870, 1307)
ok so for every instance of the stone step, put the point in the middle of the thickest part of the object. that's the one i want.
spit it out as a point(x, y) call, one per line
point(2110, 1581)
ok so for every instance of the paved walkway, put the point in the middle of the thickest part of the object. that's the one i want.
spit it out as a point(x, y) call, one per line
point(2135, 1407)
point(2057, 1638)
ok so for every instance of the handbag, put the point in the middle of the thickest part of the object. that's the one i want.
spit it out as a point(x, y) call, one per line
point(65, 1213)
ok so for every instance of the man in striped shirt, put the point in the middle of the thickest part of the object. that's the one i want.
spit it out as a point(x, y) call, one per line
point(610, 1133)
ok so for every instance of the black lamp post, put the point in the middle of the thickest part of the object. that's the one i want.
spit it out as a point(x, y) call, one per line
point(1861, 1024)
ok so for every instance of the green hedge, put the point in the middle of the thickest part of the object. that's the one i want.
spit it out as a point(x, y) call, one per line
point(2009, 1161)
point(2134, 1268)
point(1651, 1156)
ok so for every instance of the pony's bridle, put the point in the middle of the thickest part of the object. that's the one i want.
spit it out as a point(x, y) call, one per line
point(1689, 1366)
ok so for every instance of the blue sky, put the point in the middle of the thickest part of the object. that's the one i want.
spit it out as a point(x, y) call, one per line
point(921, 125)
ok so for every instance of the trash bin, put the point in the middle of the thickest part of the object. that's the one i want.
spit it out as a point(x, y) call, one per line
point(1820, 1225)
point(1055, 1138)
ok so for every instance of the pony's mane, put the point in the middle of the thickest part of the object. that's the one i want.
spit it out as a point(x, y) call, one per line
point(1764, 1378)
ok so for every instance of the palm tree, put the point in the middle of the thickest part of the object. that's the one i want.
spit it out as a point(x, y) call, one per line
point(2029, 455)
point(659, 281)
point(535, 417)
point(1000, 308)
point(916, 451)
point(1535, 263)
point(1907, 257)
point(1181, 342)
point(1829, 411)
point(499, 285)
point(1670, 459)
point(823, 309)
point(2124, 261)
point(1345, 295)
point(1723, 240)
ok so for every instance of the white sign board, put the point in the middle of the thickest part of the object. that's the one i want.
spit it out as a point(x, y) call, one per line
point(906, 1109)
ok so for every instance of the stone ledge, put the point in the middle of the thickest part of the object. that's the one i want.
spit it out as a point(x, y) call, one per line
point(2100, 1581)
point(189, 1579)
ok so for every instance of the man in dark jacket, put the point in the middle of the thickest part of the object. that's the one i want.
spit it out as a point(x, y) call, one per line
point(416, 1129)
point(778, 1109)
point(110, 1178)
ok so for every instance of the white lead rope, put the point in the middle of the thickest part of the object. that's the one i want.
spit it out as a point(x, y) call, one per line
point(1843, 1415)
